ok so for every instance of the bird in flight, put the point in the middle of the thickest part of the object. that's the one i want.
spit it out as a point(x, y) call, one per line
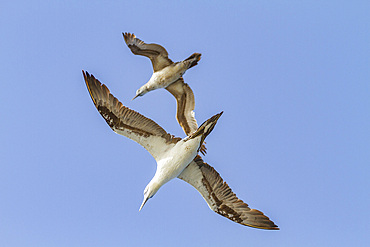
point(168, 75)
point(165, 72)
point(175, 157)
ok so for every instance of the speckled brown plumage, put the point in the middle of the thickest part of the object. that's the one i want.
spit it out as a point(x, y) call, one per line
point(220, 197)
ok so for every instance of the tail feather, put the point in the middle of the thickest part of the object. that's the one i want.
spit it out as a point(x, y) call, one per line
point(206, 128)
point(193, 59)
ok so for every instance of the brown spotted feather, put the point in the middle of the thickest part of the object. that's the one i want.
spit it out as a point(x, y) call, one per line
point(127, 122)
point(220, 197)
point(156, 53)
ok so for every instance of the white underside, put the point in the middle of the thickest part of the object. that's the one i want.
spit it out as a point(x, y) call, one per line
point(163, 78)
point(176, 160)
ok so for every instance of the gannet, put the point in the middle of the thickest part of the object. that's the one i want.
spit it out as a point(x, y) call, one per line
point(176, 86)
point(165, 71)
point(175, 157)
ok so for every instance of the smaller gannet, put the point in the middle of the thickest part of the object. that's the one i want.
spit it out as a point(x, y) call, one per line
point(165, 71)
point(178, 88)
point(175, 157)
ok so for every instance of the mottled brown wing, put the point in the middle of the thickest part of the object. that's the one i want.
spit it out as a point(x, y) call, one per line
point(127, 122)
point(185, 107)
point(156, 53)
point(220, 197)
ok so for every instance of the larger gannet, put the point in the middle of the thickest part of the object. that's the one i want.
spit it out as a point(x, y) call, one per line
point(168, 75)
point(175, 157)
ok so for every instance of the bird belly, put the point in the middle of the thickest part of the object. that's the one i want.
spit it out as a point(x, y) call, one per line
point(167, 76)
point(178, 159)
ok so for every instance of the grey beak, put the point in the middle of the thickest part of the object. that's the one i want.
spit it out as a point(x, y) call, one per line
point(142, 205)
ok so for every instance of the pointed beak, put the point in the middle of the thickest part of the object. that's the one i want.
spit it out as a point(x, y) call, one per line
point(144, 201)
point(135, 96)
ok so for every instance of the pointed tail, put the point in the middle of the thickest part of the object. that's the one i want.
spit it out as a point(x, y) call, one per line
point(193, 59)
point(206, 128)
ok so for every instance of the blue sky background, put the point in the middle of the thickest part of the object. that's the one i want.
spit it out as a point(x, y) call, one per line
point(292, 78)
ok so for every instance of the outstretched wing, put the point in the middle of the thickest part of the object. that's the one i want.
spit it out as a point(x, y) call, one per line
point(127, 122)
point(156, 53)
point(185, 107)
point(220, 197)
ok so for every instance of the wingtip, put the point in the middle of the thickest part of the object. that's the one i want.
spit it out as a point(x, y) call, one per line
point(198, 55)
point(271, 226)
point(90, 81)
point(128, 36)
point(217, 116)
point(275, 227)
point(125, 36)
point(84, 75)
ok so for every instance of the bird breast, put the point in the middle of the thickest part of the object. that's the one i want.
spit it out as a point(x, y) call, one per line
point(167, 75)
point(177, 159)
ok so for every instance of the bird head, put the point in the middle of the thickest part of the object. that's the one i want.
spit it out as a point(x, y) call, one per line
point(150, 190)
point(140, 92)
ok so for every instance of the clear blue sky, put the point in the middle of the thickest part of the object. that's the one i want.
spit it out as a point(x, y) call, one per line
point(293, 80)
